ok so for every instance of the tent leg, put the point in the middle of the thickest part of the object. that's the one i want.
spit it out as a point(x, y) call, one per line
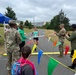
point(5, 43)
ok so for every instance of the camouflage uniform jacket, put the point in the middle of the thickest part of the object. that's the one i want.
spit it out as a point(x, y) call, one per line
point(72, 38)
point(61, 34)
point(13, 40)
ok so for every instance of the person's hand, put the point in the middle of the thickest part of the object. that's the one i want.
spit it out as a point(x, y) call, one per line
point(30, 39)
point(55, 32)
point(67, 35)
point(25, 33)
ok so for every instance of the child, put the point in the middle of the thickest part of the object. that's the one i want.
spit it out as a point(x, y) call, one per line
point(27, 66)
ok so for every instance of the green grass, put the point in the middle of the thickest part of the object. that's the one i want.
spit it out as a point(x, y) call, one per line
point(2, 34)
point(27, 31)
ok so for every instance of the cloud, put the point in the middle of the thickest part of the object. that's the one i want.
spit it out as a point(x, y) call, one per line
point(40, 10)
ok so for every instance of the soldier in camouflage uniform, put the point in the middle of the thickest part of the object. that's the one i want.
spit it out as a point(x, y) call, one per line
point(61, 36)
point(12, 42)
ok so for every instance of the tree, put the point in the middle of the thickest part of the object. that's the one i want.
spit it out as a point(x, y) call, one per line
point(10, 13)
point(46, 25)
point(28, 24)
point(21, 22)
point(57, 20)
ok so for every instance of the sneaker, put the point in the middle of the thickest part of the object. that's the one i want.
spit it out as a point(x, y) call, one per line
point(60, 56)
point(72, 67)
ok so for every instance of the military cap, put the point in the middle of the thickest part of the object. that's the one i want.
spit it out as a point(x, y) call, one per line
point(12, 22)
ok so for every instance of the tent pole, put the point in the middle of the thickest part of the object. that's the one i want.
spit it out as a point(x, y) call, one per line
point(4, 39)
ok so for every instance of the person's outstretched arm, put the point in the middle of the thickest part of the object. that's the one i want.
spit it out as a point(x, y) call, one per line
point(72, 37)
point(23, 36)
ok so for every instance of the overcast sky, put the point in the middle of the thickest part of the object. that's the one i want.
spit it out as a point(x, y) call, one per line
point(40, 10)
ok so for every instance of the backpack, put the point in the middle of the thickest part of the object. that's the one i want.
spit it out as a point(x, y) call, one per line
point(16, 69)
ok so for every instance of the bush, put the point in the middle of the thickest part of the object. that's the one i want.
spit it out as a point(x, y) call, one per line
point(29, 27)
point(1, 25)
point(40, 27)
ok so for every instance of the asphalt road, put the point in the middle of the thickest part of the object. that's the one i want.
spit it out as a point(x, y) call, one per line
point(42, 68)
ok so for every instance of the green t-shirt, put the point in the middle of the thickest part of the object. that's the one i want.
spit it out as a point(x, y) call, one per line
point(23, 37)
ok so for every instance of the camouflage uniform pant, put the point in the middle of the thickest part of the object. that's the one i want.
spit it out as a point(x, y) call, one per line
point(61, 49)
point(12, 57)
